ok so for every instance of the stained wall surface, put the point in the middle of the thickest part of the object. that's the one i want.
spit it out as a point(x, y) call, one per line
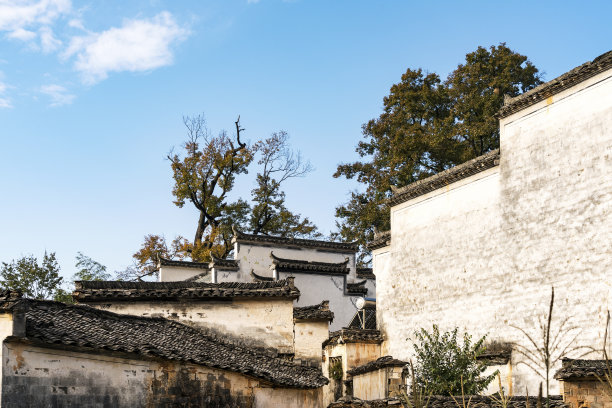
point(264, 322)
point(42, 377)
point(169, 273)
point(309, 335)
point(482, 253)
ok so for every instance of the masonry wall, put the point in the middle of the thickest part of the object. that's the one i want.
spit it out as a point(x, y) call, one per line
point(483, 253)
point(587, 392)
point(370, 386)
point(41, 377)
point(309, 335)
point(263, 322)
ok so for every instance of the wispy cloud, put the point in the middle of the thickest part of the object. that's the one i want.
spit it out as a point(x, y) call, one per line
point(138, 45)
point(5, 102)
point(58, 94)
point(21, 19)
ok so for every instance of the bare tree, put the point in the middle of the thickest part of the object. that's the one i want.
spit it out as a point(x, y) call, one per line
point(546, 349)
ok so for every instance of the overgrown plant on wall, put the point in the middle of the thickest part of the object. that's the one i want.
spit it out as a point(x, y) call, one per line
point(445, 366)
point(550, 344)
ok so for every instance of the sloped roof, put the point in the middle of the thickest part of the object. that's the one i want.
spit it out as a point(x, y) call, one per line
point(300, 266)
point(357, 288)
point(574, 368)
point(56, 323)
point(382, 362)
point(93, 291)
point(381, 240)
point(438, 401)
point(348, 247)
point(446, 177)
point(353, 336)
point(182, 264)
point(225, 264)
point(365, 273)
point(262, 278)
point(550, 88)
point(314, 312)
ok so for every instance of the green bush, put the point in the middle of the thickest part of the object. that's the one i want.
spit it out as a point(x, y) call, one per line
point(442, 364)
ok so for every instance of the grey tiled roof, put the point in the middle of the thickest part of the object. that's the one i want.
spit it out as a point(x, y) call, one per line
point(437, 401)
point(226, 264)
point(78, 326)
point(300, 266)
point(446, 177)
point(357, 288)
point(182, 264)
point(365, 273)
point(381, 240)
point(550, 88)
point(314, 312)
point(573, 368)
point(93, 291)
point(348, 247)
point(382, 362)
point(353, 336)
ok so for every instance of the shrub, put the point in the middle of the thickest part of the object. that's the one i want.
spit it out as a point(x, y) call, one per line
point(442, 364)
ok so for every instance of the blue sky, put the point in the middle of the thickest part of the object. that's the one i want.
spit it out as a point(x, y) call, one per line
point(92, 95)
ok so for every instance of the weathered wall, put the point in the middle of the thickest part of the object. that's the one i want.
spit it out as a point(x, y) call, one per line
point(40, 377)
point(352, 355)
point(586, 393)
point(370, 386)
point(273, 397)
point(308, 338)
point(482, 253)
point(177, 273)
point(264, 322)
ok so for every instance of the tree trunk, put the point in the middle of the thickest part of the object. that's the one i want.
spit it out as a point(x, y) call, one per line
point(200, 231)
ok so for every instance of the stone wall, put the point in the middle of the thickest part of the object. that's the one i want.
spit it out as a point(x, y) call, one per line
point(586, 393)
point(482, 253)
point(42, 377)
point(261, 322)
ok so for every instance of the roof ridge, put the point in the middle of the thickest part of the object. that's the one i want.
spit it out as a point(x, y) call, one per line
point(564, 81)
point(306, 242)
point(446, 177)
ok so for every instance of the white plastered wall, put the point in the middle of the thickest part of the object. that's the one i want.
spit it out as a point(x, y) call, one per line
point(482, 253)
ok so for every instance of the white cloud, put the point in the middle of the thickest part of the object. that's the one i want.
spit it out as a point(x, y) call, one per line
point(58, 94)
point(22, 34)
point(18, 15)
point(48, 42)
point(138, 45)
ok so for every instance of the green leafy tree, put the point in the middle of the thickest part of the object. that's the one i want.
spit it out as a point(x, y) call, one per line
point(427, 126)
point(446, 367)
point(89, 270)
point(204, 175)
point(34, 280)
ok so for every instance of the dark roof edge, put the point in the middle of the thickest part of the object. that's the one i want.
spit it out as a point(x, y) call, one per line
point(183, 264)
point(381, 240)
point(442, 179)
point(333, 246)
point(561, 83)
point(381, 362)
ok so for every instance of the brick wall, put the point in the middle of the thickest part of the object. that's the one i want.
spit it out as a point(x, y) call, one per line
point(586, 393)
